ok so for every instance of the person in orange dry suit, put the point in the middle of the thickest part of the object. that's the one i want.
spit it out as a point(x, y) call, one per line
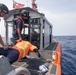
point(19, 51)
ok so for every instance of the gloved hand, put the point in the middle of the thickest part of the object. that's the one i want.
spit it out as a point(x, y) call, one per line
point(35, 50)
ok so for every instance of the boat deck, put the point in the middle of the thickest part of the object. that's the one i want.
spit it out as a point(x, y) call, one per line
point(52, 46)
point(33, 63)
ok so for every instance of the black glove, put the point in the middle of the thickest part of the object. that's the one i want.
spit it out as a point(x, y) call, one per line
point(35, 50)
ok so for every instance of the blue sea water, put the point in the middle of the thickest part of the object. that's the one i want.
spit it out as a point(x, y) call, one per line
point(68, 61)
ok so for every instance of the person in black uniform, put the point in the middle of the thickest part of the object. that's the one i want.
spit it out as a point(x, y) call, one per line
point(3, 11)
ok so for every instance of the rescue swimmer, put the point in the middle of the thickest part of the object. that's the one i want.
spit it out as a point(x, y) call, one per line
point(19, 51)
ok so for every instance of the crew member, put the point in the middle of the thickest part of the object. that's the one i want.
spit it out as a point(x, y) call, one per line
point(19, 25)
point(3, 11)
point(19, 51)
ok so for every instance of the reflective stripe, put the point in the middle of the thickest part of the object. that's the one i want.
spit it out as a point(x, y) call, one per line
point(25, 49)
point(22, 45)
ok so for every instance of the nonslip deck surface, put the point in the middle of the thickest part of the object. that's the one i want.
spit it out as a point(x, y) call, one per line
point(32, 64)
point(52, 46)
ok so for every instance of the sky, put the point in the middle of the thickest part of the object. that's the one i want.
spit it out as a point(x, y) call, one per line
point(60, 13)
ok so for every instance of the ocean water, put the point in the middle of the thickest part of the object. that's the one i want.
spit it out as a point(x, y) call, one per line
point(68, 61)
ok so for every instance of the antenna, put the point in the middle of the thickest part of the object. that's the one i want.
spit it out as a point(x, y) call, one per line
point(27, 3)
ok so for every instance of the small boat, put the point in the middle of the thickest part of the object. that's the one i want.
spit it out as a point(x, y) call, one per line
point(49, 49)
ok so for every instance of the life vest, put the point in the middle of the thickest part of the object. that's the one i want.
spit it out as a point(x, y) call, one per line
point(19, 18)
point(24, 47)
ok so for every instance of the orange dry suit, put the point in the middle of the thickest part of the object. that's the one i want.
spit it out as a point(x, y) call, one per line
point(24, 47)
